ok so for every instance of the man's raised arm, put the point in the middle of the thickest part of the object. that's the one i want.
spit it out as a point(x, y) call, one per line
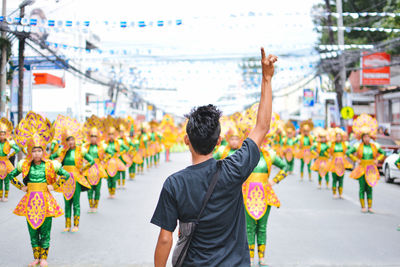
point(265, 107)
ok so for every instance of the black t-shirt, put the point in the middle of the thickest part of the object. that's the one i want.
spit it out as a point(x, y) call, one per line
point(220, 238)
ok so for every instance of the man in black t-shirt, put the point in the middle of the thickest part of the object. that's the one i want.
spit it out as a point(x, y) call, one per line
point(220, 238)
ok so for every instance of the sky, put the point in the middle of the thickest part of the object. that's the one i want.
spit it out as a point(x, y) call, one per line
point(199, 59)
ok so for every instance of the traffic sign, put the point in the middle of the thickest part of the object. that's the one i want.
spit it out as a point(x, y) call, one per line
point(347, 113)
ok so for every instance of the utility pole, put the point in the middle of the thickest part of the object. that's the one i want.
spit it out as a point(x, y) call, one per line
point(21, 48)
point(3, 70)
point(342, 70)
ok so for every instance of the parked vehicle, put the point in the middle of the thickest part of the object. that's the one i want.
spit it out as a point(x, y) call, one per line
point(390, 170)
point(388, 145)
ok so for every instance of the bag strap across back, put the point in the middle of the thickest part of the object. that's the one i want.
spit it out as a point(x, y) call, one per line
point(210, 190)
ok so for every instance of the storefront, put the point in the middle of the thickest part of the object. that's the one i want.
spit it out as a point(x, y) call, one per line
point(387, 105)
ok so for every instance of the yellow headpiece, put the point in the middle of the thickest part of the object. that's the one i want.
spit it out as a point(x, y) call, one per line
point(167, 119)
point(93, 126)
point(228, 128)
point(334, 131)
point(365, 124)
point(307, 125)
point(6, 126)
point(110, 125)
point(289, 127)
point(132, 124)
point(34, 131)
point(65, 127)
point(153, 124)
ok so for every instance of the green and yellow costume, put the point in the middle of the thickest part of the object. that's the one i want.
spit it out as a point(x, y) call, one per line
point(114, 164)
point(366, 172)
point(322, 163)
point(305, 142)
point(339, 163)
point(95, 173)
point(38, 205)
point(137, 157)
point(72, 161)
point(288, 145)
point(258, 198)
point(94, 128)
point(6, 166)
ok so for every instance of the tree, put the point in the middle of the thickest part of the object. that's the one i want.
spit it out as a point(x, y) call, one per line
point(331, 66)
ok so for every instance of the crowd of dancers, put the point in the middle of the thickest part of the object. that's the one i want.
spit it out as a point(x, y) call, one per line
point(69, 157)
point(324, 151)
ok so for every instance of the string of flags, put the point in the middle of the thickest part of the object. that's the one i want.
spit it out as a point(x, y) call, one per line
point(161, 23)
point(86, 23)
point(362, 29)
point(363, 14)
point(344, 47)
point(147, 51)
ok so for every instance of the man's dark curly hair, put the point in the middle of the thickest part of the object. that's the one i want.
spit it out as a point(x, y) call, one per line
point(203, 128)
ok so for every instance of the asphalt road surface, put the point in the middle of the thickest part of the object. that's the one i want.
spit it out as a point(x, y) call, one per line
point(310, 229)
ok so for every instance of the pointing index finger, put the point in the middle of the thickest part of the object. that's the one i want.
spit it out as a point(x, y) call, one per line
point(262, 53)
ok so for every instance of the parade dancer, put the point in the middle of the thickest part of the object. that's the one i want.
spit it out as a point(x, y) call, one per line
point(124, 151)
point(6, 144)
point(305, 141)
point(259, 196)
point(278, 139)
point(38, 205)
point(137, 157)
point(339, 163)
point(233, 143)
point(143, 140)
point(152, 143)
point(93, 130)
point(366, 155)
point(71, 155)
point(288, 145)
point(112, 148)
point(134, 148)
point(169, 133)
point(321, 164)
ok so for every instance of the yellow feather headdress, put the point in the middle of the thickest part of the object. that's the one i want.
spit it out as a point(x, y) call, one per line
point(34, 131)
point(65, 127)
point(6, 126)
point(365, 124)
point(110, 125)
point(93, 126)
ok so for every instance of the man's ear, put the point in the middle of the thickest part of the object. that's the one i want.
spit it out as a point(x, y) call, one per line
point(186, 139)
point(219, 140)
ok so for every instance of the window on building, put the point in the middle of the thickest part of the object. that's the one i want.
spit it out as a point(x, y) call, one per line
point(395, 110)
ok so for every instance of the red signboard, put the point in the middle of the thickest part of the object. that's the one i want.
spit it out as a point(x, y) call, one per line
point(48, 79)
point(375, 69)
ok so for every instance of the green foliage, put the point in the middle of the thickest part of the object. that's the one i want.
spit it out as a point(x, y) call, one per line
point(359, 6)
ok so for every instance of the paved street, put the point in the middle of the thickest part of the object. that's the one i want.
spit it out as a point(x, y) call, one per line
point(310, 228)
